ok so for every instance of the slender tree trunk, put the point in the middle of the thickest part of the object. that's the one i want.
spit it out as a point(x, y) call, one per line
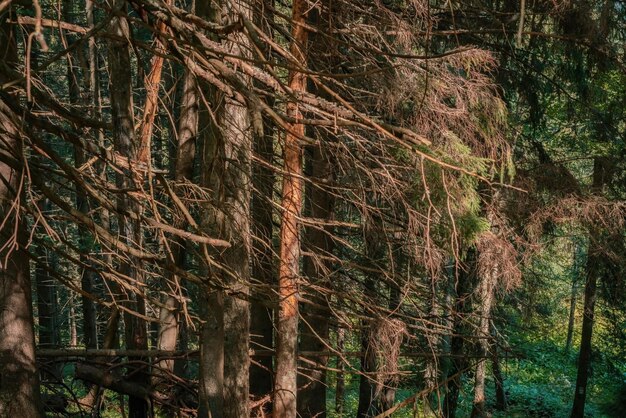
point(486, 291)
point(171, 330)
point(388, 391)
point(461, 307)
point(584, 358)
point(211, 367)
point(340, 387)
point(573, 297)
point(315, 327)
point(120, 87)
point(367, 384)
point(47, 303)
point(187, 133)
point(87, 276)
point(19, 380)
point(572, 316)
point(369, 387)
point(601, 175)
point(285, 385)
point(501, 402)
point(262, 315)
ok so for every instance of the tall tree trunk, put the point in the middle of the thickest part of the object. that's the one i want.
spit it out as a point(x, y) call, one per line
point(584, 359)
point(388, 391)
point(87, 276)
point(501, 402)
point(368, 385)
point(120, 87)
point(19, 380)
point(572, 315)
point(285, 385)
point(227, 154)
point(461, 307)
point(262, 315)
point(316, 269)
point(47, 304)
point(573, 296)
point(486, 293)
point(602, 173)
point(340, 387)
point(169, 317)
point(318, 242)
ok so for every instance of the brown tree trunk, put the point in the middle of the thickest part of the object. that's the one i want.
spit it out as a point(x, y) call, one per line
point(19, 380)
point(367, 384)
point(584, 358)
point(227, 153)
point(185, 152)
point(120, 87)
point(316, 269)
point(262, 315)
point(388, 391)
point(572, 315)
point(285, 384)
point(573, 296)
point(87, 276)
point(501, 402)
point(47, 304)
point(486, 293)
point(461, 307)
point(340, 387)
point(602, 173)
point(317, 242)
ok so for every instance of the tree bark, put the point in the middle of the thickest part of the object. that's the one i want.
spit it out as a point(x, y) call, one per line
point(501, 401)
point(584, 358)
point(573, 297)
point(315, 327)
point(340, 387)
point(47, 304)
point(120, 87)
point(486, 292)
point(227, 154)
point(285, 384)
point(602, 173)
point(461, 307)
point(262, 315)
point(19, 379)
point(169, 321)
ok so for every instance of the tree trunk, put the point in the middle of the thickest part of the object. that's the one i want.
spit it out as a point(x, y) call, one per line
point(486, 292)
point(262, 315)
point(501, 402)
point(573, 297)
point(227, 153)
point(47, 304)
point(388, 391)
point(120, 87)
point(315, 317)
point(584, 358)
point(340, 387)
point(19, 380)
point(461, 307)
point(367, 384)
point(183, 170)
point(369, 387)
point(285, 385)
point(595, 263)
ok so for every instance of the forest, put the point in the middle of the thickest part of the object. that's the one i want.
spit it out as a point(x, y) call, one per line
point(312, 208)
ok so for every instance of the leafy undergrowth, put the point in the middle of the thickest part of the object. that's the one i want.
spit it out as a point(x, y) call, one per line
point(541, 385)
